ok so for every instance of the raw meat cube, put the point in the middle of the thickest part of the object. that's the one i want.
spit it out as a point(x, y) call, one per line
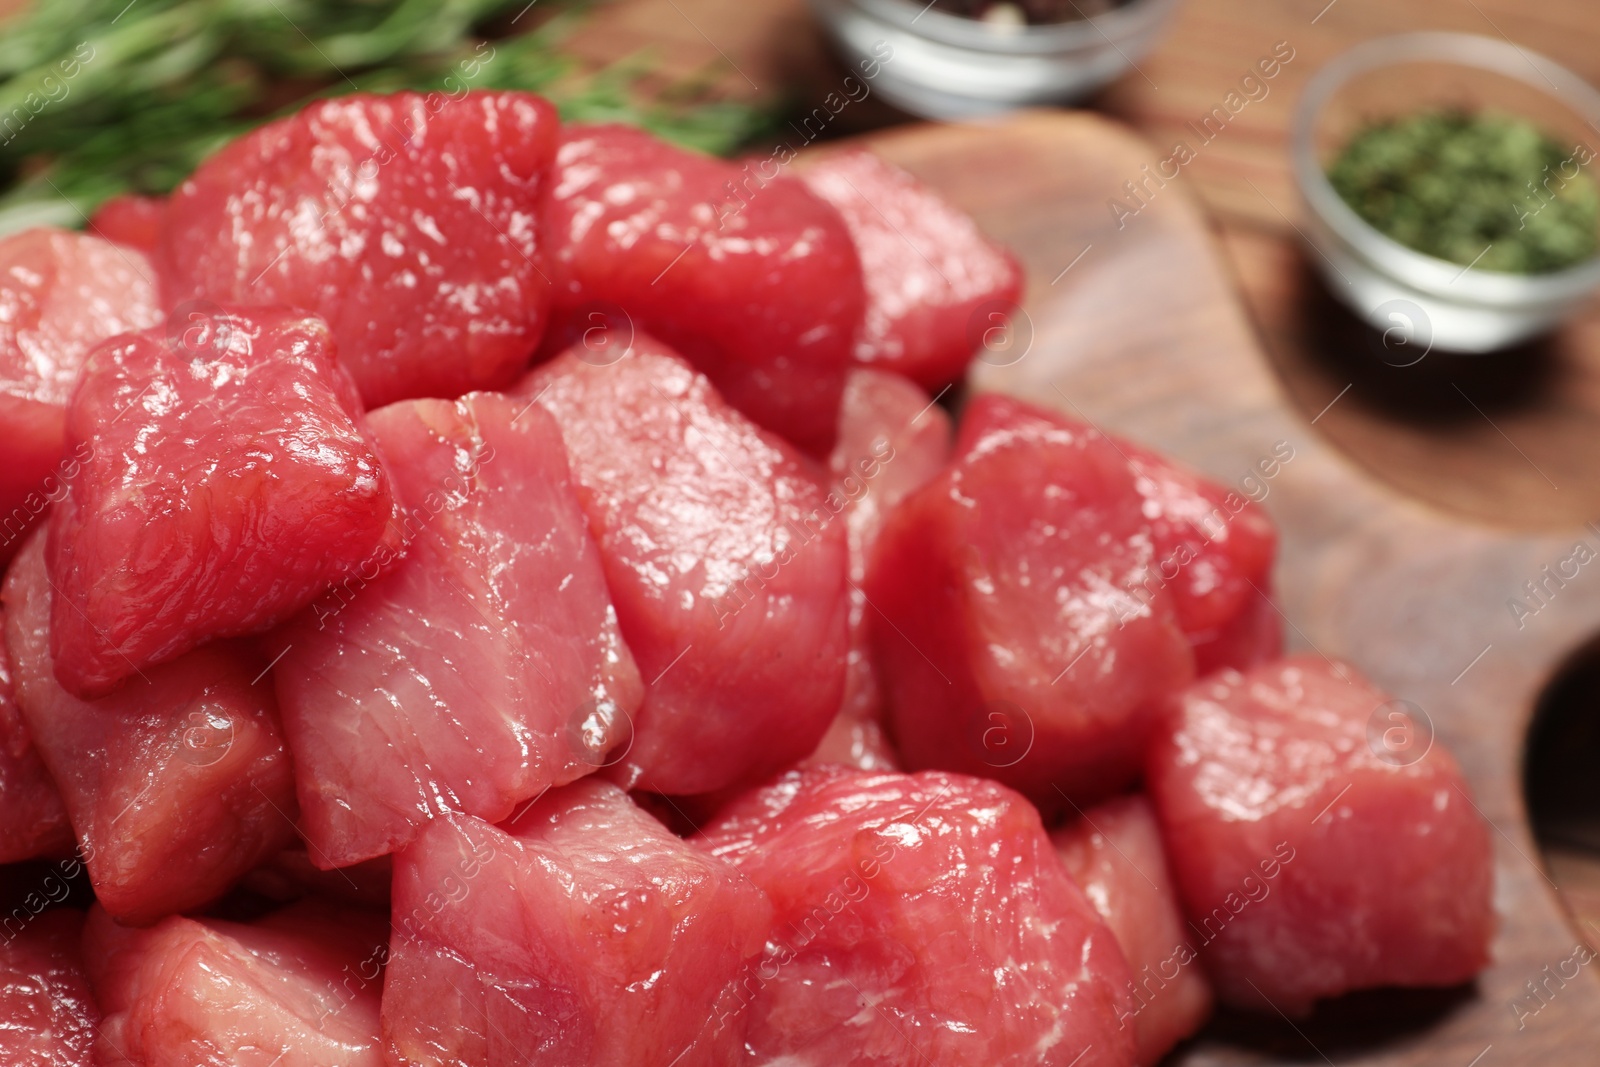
point(892, 439)
point(298, 988)
point(757, 284)
point(477, 671)
point(583, 933)
point(1113, 851)
point(1213, 547)
point(226, 486)
point(176, 785)
point(726, 559)
point(1320, 839)
point(47, 1010)
point(60, 295)
point(1006, 627)
point(131, 221)
point(408, 222)
point(918, 919)
point(35, 823)
point(933, 279)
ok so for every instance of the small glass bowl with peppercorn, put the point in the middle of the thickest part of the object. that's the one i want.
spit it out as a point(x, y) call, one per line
point(1450, 187)
point(955, 59)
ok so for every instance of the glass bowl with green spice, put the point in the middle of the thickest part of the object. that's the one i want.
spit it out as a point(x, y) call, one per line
point(1450, 187)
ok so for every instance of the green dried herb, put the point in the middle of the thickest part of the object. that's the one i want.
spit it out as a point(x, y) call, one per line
point(1485, 189)
point(100, 97)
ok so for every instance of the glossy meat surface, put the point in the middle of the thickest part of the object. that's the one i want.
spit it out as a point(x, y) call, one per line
point(478, 670)
point(176, 785)
point(892, 439)
point(1212, 547)
point(60, 295)
point(1007, 633)
point(1114, 852)
point(756, 282)
point(934, 282)
point(47, 1010)
point(34, 823)
point(1215, 549)
point(1322, 840)
point(298, 988)
point(726, 559)
point(227, 485)
point(919, 919)
point(408, 222)
point(584, 933)
point(131, 221)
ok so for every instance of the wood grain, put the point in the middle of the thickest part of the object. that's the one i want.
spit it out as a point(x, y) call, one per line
point(1143, 336)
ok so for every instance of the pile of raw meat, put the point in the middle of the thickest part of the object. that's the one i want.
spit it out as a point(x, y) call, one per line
point(480, 592)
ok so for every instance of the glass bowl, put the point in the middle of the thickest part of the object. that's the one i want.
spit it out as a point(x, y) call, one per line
point(945, 66)
point(1432, 302)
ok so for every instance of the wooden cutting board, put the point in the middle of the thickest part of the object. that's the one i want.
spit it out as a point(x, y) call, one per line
point(1137, 328)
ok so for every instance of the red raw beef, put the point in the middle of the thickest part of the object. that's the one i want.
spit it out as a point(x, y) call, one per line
point(177, 785)
point(1213, 547)
point(1312, 855)
point(1113, 851)
point(584, 933)
point(131, 221)
point(408, 222)
point(933, 279)
point(892, 439)
point(726, 562)
point(35, 823)
point(1005, 625)
point(479, 670)
point(1252, 637)
point(755, 281)
point(47, 1010)
point(226, 486)
point(60, 295)
point(299, 988)
point(919, 919)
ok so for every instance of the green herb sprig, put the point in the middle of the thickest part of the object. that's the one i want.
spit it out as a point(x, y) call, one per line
point(1483, 189)
point(101, 97)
